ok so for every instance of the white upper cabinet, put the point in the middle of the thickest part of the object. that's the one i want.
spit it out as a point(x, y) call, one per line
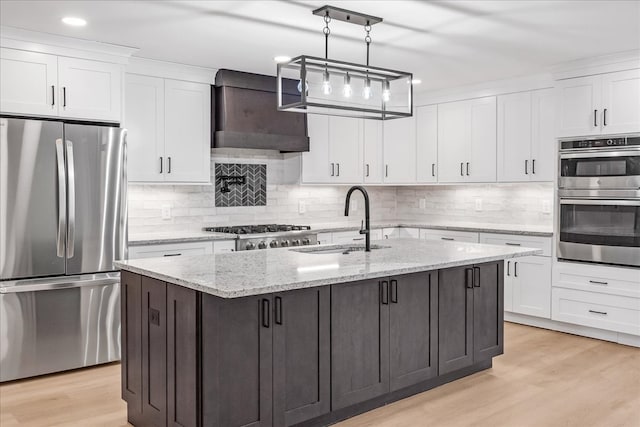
point(169, 132)
point(316, 167)
point(543, 138)
point(621, 102)
point(144, 121)
point(48, 85)
point(373, 151)
point(467, 141)
point(600, 104)
point(28, 82)
point(399, 150)
point(427, 143)
point(187, 130)
point(345, 149)
point(89, 89)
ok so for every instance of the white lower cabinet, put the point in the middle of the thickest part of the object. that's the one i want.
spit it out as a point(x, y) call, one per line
point(170, 249)
point(449, 235)
point(221, 246)
point(400, 233)
point(352, 236)
point(529, 282)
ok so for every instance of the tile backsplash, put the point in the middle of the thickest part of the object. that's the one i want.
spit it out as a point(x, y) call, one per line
point(251, 190)
point(193, 207)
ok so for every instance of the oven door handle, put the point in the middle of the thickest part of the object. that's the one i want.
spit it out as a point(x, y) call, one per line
point(600, 154)
point(600, 202)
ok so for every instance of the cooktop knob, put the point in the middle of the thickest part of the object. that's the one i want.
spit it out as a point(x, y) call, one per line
point(295, 242)
point(284, 243)
point(306, 241)
point(250, 246)
point(273, 244)
point(262, 245)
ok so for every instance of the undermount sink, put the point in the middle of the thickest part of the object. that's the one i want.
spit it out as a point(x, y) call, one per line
point(342, 249)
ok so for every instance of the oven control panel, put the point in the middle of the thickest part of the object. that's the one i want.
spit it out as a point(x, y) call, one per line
point(601, 143)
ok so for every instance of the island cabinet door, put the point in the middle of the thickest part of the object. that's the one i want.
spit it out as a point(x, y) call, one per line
point(413, 331)
point(131, 368)
point(455, 319)
point(154, 352)
point(237, 361)
point(488, 310)
point(301, 355)
point(359, 342)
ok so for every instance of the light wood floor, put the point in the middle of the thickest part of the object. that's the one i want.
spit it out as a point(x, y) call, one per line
point(544, 378)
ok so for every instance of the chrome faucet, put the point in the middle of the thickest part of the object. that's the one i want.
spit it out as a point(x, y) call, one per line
point(366, 230)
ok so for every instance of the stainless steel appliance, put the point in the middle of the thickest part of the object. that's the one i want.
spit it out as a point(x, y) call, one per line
point(599, 200)
point(63, 222)
point(265, 236)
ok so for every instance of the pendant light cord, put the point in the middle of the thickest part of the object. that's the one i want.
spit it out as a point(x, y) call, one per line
point(326, 32)
point(367, 39)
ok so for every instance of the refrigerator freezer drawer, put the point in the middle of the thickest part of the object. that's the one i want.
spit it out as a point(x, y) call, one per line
point(57, 329)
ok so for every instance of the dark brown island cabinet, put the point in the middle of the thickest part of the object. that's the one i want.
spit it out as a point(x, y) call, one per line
point(306, 357)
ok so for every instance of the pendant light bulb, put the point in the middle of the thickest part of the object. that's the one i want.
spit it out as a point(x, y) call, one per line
point(347, 91)
point(386, 91)
point(326, 83)
point(306, 87)
point(366, 92)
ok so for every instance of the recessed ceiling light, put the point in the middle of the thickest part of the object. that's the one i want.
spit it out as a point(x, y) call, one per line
point(282, 58)
point(74, 21)
point(416, 81)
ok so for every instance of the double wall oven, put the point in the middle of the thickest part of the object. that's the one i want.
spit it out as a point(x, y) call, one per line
point(599, 200)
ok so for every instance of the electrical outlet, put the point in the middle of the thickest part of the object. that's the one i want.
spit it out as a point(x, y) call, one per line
point(546, 207)
point(354, 205)
point(478, 205)
point(166, 211)
point(302, 206)
point(423, 203)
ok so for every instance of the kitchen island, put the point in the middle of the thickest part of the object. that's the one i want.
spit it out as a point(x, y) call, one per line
point(305, 336)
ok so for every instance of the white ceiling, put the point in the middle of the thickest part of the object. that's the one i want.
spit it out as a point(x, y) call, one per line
point(444, 43)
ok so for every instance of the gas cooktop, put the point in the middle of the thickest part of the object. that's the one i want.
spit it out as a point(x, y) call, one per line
point(264, 236)
point(256, 229)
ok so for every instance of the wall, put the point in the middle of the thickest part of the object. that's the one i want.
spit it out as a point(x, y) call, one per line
point(501, 203)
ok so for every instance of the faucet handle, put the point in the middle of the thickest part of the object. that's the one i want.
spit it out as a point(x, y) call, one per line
point(362, 229)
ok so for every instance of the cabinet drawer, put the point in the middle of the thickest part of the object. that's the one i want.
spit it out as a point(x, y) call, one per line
point(400, 233)
point(174, 249)
point(459, 236)
point(610, 312)
point(543, 243)
point(598, 278)
point(224, 246)
point(343, 237)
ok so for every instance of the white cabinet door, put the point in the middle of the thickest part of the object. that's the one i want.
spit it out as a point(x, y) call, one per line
point(315, 162)
point(187, 131)
point(144, 121)
point(579, 102)
point(481, 164)
point(453, 136)
point(400, 150)
point(514, 137)
point(28, 83)
point(345, 148)
point(543, 141)
point(427, 143)
point(170, 250)
point(372, 151)
point(621, 102)
point(531, 277)
point(89, 89)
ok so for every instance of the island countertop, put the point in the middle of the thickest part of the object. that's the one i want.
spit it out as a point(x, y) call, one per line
point(240, 274)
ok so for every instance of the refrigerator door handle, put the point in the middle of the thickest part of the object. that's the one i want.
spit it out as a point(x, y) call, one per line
point(62, 197)
point(71, 202)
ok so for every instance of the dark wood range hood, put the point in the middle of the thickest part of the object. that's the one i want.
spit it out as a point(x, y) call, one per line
point(246, 116)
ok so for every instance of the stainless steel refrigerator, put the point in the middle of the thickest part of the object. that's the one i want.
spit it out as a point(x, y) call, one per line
point(63, 221)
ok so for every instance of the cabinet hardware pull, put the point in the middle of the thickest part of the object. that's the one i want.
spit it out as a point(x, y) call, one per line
point(64, 96)
point(384, 292)
point(278, 314)
point(358, 238)
point(467, 168)
point(512, 244)
point(597, 282)
point(508, 265)
point(526, 167)
point(515, 269)
point(171, 254)
point(433, 169)
point(367, 169)
point(338, 169)
point(53, 95)
point(265, 313)
point(533, 166)
point(476, 275)
point(386, 171)
point(468, 277)
point(394, 291)
point(169, 166)
point(604, 118)
point(595, 118)
point(604, 313)
point(333, 172)
point(161, 161)
point(447, 238)
point(461, 169)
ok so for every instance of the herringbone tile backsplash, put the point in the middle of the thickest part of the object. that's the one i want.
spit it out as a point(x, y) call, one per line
point(252, 193)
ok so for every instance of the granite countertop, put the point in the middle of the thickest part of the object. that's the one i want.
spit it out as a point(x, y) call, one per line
point(245, 273)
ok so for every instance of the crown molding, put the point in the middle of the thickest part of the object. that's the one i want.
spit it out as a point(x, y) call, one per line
point(18, 38)
point(618, 61)
point(170, 70)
